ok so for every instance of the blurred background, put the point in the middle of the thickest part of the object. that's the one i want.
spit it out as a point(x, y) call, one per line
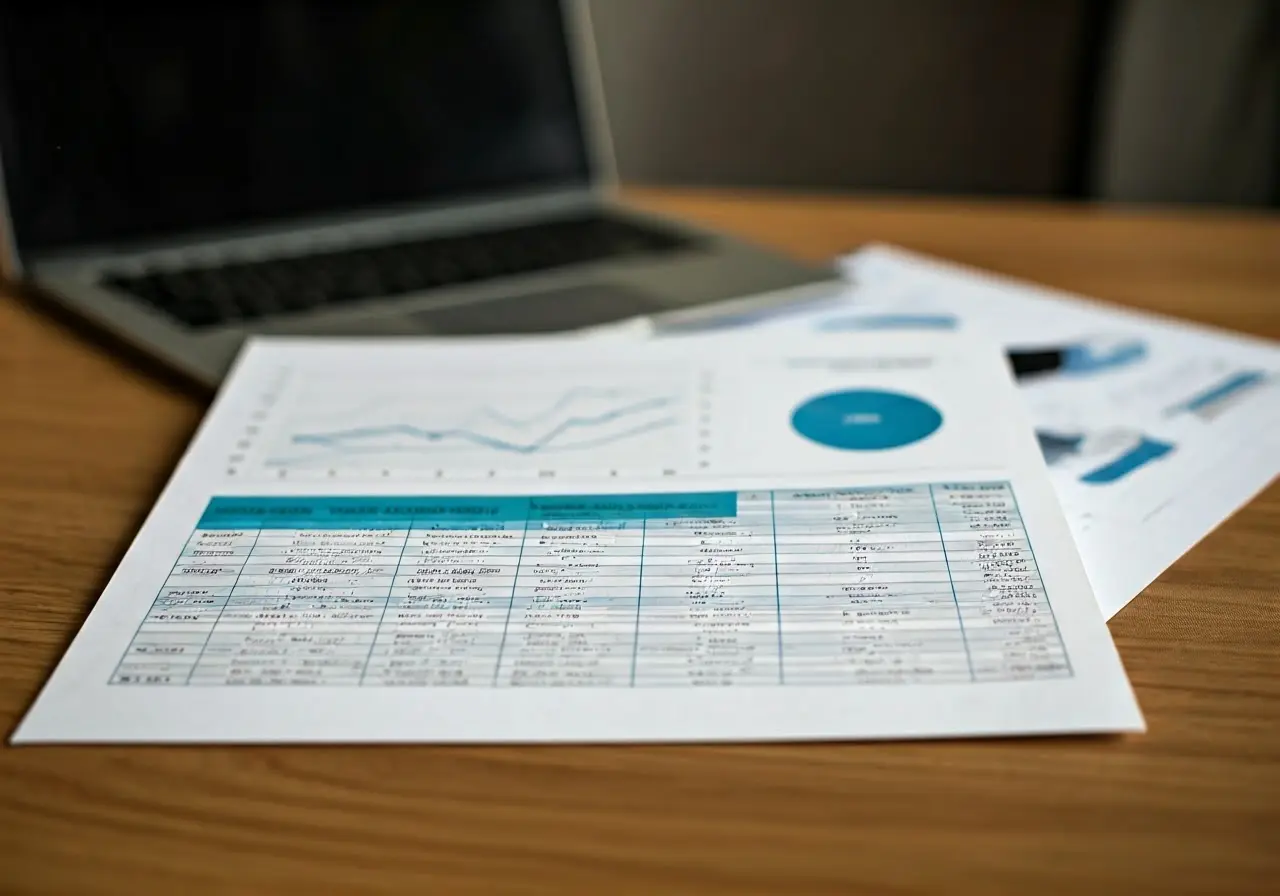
point(1122, 100)
point(131, 122)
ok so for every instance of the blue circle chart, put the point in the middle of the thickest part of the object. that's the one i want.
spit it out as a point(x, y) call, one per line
point(865, 420)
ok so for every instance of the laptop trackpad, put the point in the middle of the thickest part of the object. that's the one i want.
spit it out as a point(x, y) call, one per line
point(539, 312)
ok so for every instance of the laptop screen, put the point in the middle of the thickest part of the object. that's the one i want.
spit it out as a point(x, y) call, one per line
point(125, 121)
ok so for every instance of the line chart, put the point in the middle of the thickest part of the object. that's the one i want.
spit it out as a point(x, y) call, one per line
point(320, 427)
point(341, 440)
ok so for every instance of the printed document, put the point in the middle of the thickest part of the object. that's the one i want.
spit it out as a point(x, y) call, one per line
point(667, 540)
point(1154, 430)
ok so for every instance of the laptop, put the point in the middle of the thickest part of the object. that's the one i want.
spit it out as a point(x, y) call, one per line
point(187, 174)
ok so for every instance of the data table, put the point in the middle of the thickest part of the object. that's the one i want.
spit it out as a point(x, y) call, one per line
point(919, 583)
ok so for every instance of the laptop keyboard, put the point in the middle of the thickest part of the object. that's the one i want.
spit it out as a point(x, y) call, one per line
point(211, 296)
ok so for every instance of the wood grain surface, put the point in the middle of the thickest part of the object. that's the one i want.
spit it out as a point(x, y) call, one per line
point(86, 441)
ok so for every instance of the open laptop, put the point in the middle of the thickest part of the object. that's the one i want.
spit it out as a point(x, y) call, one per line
point(186, 174)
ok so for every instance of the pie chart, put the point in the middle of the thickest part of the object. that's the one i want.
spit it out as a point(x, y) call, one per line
point(865, 420)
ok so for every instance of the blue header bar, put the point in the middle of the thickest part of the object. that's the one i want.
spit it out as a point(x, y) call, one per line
point(457, 512)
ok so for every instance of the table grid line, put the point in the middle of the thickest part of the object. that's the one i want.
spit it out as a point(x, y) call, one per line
point(635, 644)
point(200, 656)
point(497, 663)
point(777, 585)
point(1066, 657)
point(373, 642)
point(942, 540)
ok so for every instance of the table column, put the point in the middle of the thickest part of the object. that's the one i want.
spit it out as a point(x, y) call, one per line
point(573, 610)
point(708, 610)
point(864, 589)
point(449, 606)
point(304, 609)
point(174, 632)
point(1007, 617)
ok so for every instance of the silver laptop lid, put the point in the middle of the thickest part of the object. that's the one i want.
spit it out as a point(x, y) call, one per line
point(130, 126)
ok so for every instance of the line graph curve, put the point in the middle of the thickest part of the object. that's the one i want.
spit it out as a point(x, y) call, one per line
point(340, 439)
point(543, 422)
point(383, 450)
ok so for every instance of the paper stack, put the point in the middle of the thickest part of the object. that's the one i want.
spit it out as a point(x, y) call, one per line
point(826, 523)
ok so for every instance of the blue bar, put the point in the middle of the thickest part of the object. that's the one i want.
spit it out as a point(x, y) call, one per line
point(1144, 452)
point(456, 512)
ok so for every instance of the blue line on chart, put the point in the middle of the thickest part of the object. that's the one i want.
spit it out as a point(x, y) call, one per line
point(556, 407)
point(438, 435)
point(541, 446)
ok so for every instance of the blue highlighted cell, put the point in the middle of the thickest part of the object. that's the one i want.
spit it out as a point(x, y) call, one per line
point(866, 420)
point(458, 512)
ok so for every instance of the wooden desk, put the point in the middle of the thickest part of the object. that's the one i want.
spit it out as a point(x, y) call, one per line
point(1194, 806)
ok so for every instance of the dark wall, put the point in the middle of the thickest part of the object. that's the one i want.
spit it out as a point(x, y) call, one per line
point(1133, 100)
point(936, 95)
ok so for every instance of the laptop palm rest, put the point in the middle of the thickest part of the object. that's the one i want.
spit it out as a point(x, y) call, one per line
point(539, 312)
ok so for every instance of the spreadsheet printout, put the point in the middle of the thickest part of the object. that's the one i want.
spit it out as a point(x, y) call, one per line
point(518, 540)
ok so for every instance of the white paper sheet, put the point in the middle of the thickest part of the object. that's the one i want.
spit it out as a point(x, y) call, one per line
point(571, 541)
point(1155, 430)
